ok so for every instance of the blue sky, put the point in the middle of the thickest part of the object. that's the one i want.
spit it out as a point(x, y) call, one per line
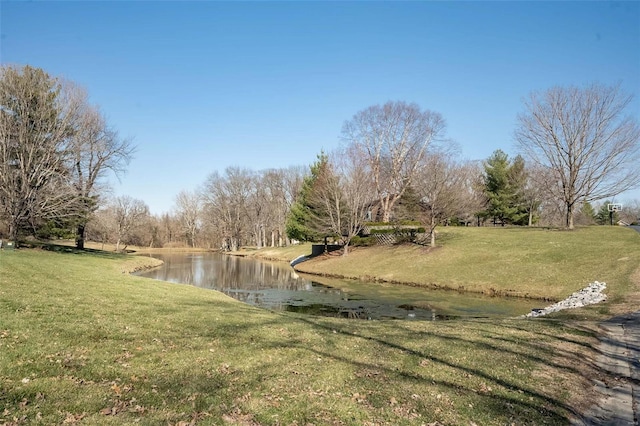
point(201, 86)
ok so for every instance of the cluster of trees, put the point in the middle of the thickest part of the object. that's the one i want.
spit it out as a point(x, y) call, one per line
point(600, 214)
point(55, 148)
point(395, 164)
point(511, 194)
point(577, 148)
point(578, 142)
point(584, 141)
point(243, 207)
point(237, 208)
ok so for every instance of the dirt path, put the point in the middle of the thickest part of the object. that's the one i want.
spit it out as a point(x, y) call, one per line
point(620, 357)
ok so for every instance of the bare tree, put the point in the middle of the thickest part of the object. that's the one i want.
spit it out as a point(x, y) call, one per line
point(102, 226)
point(444, 188)
point(259, 209)
point(341, 196)
point(535, 192)
point(35, 127)
point(95, 149)
point(393, 138)
point(226, 201)
point(630, 212)
point(128, 214)
point(188, 206)
point(279, 188)
point(583, 137)
point(168, 228)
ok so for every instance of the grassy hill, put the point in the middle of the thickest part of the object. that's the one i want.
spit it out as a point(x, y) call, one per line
point(81, 341)
point(539, 263)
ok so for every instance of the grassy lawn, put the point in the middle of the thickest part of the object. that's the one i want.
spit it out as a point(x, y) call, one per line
point(83, 342)
point(538, 263)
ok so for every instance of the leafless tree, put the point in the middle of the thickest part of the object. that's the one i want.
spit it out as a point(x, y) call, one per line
point(341, 196)
point(394, 139)
point(259, 209)
point(36, 120)
point(583, 137)
point(168, 228)
point(226, 202)
point(102, 226)
point(188, 212)
point(279, 188)
point(630, 211)
point(95, 149)
point(536, 190)
point(128, 215)
point(444, 188)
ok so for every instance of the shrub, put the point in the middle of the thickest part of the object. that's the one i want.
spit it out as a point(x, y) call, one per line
point(401, 231)
point(363, 241)
point(401, 223)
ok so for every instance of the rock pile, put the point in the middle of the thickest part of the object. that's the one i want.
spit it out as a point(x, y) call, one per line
point(587, 296)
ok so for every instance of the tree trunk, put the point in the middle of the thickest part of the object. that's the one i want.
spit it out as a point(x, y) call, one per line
point(432, 235)
point(570, 215)
point(258, 237)
point(80, 232)
point(13, 233)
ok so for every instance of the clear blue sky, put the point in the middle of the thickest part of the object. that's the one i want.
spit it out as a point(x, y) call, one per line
point(201, 86)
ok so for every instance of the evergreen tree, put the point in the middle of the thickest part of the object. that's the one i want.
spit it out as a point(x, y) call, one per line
point(603, 217)
point(299, 221)
point(516, 184)
point(587, 214)
point(504, 183)
point(408, 207)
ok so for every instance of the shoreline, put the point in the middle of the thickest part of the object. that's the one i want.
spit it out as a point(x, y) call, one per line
point(300, 260)
point(427, 286)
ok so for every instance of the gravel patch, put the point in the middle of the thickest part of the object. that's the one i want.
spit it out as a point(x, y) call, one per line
point(587, 296)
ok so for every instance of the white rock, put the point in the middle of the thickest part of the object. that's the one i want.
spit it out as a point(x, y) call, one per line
point(587, 296)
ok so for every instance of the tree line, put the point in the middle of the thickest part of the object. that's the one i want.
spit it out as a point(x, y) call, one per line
point(55, 148)
point(395, 165)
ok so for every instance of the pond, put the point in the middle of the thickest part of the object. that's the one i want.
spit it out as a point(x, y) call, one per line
point(277, 286)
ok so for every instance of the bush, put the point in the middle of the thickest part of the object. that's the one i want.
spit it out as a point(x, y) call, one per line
point(401, 223)
point(400, 231)
point(363, 241)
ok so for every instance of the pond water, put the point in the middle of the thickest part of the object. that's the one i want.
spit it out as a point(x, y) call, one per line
point(277, 286)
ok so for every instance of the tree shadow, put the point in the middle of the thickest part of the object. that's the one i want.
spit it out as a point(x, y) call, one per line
point(60, 248)
point(556, 409)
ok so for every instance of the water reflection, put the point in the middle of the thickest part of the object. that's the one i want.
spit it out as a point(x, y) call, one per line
point(276, 286)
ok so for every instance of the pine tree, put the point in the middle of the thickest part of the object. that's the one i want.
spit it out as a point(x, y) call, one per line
point(517, 181)
point(504, 183)
point(587, 214)
point(299, 221)
point(604, 217)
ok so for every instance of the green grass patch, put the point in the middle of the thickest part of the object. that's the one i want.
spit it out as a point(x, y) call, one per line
point(528, 262)
point(82, 341)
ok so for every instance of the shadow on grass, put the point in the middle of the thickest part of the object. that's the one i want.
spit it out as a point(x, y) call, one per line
point(547, 407)
point(511, 398)
point(59, 248)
